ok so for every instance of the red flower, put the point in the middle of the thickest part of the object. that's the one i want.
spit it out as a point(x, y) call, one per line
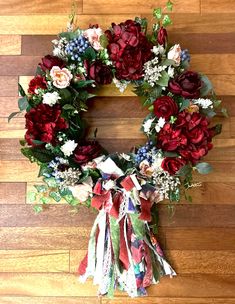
point(165, 107)
point(43, 122)
point(172, 164)
point(187, 84)
point(36, 83)
point(129, 49)
point(100, 72)
point(49, 61)
point(86, 152)
point(190, 136)
point(162, 36)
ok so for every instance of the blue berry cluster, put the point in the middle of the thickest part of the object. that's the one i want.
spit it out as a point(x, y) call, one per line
point(185, 56)
point(146, 152)
point(76, 47)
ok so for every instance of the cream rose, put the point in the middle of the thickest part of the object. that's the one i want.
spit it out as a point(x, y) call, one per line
point(174, 54)
point(61, 77)
point(83, 191)
point(93, 36)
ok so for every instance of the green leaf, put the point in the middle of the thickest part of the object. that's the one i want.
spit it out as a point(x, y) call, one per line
point(23, 103)
point(185, 170)
point(157, 13)
point(50, 181)
point(209, 112)
point(43, 170)
point(104, 41)
point(37, 208)
point(55, 195)
point(216, 102)
point(89, 54)
point(41, 188)
point(163, 81)
point(22, 142)
point(169, 5)
point(217, 128)
point(82, 83)
point(224, 112)
point(44, 200)
point(207, 86)
point(184, 104)
point(170, 154)
point(39, 71)
point(37, 142)
point(21, 90)
point(13, 114)
point(69, 35)
point(203, 168)
point(32, 196)
point(166, 21)
point(167, 62)
point(68, 107)
point(44, 156)
point(65, 191)
point(65, 95)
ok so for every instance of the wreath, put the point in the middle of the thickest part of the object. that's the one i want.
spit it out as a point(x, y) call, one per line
point(123, 248)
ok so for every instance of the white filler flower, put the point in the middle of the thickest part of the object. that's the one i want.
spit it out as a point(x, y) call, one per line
point(50, 98)
point(68, 147)
point(147, 125)
point(160, 124)
point(203, 102)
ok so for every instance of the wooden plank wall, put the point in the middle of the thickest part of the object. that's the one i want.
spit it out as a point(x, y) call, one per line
point(39, 254)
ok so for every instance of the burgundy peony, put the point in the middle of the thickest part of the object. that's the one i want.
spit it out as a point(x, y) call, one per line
point(36, 83)
point(187, 84)
point(129, 49)
point(86, 152)
point(162, 36)
point(43, 122)
point(165, 107)
point(100, 72)
point(172, 164)
point(49, 61)
point(190, 136)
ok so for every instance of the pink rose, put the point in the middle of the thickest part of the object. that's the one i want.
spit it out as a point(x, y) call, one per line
point(83, 191)
point(174, 54)
point(93, 36)
point(61, 77)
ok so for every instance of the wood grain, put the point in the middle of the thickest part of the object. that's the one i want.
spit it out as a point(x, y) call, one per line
point(9, 85)
point(50, 300)
point(44, 238)
point(10, 44)
point(136, 6)
point(38, 260)
point(13, 7)
point(165, 300)
point(212, 6)
point(12, 193)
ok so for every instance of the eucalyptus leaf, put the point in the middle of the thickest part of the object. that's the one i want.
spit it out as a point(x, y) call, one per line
point(68, 107)
point(23, 103)
point(163, 80)
point(224, 112)
point(184, 104)
point(13, 114)
point(185, 170)
point(203, 168)
point(207, 86)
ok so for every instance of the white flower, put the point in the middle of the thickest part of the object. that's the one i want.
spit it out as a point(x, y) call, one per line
point(171, 72)
point(160, 124)
point(174, 54)
point(157, 164)
point(93, 35)
point(147, 125)
point(125, 156)
point(153, 71)
point(158, 50)
point(203, 102)
point(68, 147)
point(121, 85)
point(50, 98)
point(82, 191)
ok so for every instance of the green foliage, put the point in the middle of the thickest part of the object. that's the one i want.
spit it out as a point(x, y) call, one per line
point(41, 188)
point(164, 79)
point(33, 154)
point(184, 104)
point(13, 114)
point(207, 86)
point(203, 168)
point(169, 5)
point(69, 35)
point(185, 170)
point(157, 13)
point(21, 90)
point(55, 195)
point(23, 103)
point(166, 21)
point(224, 112)
point(104, 41)
point(89, 54)
point(51, 182)
point(37, 208)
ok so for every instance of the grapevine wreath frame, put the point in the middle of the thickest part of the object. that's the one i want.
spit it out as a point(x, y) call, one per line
point(123, 249)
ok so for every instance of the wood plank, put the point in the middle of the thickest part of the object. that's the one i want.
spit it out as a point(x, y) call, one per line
point(53, 24)
point(19, 65)
point(76, 257)
point(199, 238)
point(64, 216)
point(34, 260)
point(9, 105)
point(136, 7)
point(12, 193)
point(216, 64)
point(50, 300)
point(9, 85)
point(13, 7)
point(213, 6)
point(202, 43)
point(25, 284)
point(44, 238)
point(201, 261)
point(196, 23)
point(10, 44)
point(165, 300)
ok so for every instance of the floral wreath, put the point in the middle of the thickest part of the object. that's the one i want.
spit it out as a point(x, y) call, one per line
point(123, 249)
